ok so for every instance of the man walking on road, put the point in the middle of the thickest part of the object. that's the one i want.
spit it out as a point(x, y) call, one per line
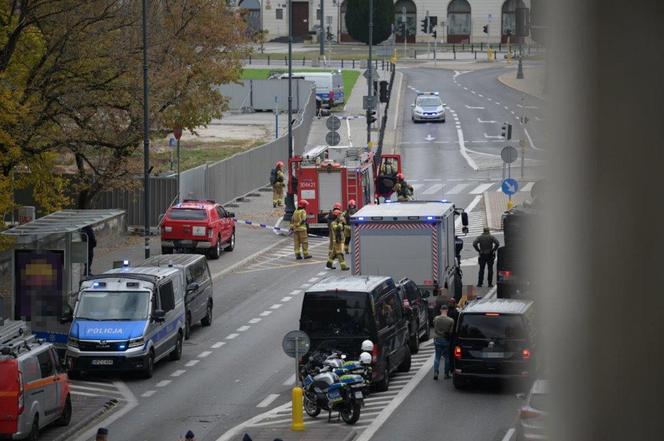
point(486, 245)
point(442, 333)
point(299, 229)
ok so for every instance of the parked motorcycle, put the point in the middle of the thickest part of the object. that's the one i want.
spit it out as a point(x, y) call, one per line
point(326, 390)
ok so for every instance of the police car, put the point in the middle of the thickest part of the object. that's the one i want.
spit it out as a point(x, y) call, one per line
point(427, 107)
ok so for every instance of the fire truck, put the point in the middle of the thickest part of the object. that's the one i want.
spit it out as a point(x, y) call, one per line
point(324, 175)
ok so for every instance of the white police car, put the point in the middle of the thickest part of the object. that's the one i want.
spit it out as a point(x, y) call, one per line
point(427, 107)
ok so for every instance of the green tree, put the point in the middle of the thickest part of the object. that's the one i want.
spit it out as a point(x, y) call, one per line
point(357, 20)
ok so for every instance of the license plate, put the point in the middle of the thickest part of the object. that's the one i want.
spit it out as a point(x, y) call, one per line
point(494, 354)
point(358, 394)
point(199, 231)
point(102, 362)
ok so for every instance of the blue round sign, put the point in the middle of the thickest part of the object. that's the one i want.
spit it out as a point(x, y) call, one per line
point(510, 186)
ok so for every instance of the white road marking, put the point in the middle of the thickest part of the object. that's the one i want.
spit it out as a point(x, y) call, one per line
point(473, 92)
point(192, 363)
point(178, 373)
point(148, 393)
point(479, 120)
point(481, 188)
point(218, 344)
point(508, 434)
point(433, 189)
point(314, 279)
point(398, 92)
point(265, 313)
point(276, 306)
point(286, 298)
point(528, 107)
point(83, 394)
point(93, 389)
point(305, 285)
point(297, 291)
point(480, 95)
point(474, 107)
point(163, 383)
point(506, 108)
point(243, 328)
point(322, 273)
point(253, 321)
point(429, 137)
point(528, 186)
point(457, 189)
point(497, 102)
point(462, 149)
point(417, 186)
point(204, 354)
point(268, 400)
point(492, 136)
point(532, 144)
point(489, 98)
point(465, 88)
point(232, 336)
point(289, 381)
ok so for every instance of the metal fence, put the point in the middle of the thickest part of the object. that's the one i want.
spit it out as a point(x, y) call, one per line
point(265, 94)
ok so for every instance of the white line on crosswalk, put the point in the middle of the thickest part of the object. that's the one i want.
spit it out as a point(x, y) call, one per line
point(268, 400)
point(457, 188)
point(528, 186)
point(417, 186)
point(433, 189)
point(481, 188)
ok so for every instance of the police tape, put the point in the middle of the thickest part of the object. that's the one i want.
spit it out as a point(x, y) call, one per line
point(277, 230)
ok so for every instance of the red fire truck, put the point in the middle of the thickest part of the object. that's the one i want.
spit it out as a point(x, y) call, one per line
point(325, 175)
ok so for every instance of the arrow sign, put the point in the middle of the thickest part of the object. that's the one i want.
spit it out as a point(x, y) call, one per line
point(510, 186)
point(429, 138)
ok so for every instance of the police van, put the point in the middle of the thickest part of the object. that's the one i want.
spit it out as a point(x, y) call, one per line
point(325, 82)
point(127, 319)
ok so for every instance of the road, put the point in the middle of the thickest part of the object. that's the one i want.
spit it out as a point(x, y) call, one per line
point(236, 369)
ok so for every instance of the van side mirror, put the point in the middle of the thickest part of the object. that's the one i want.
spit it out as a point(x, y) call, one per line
point(159, 315)
point(67, 317)
point(231, 214)
point(193, 286)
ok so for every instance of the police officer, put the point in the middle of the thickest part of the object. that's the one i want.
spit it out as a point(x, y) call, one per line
point(403, 189)
point(486, 245)
point(352, 208)
point(278, 185)
point(337, 235)
point(299, 229)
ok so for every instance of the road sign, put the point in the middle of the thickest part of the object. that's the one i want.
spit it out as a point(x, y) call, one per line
point(296, 343)
point(332, 138)
point(177, 132)
point(510, 186)
point(368, 74)
point(333, 123)
point(509, 154)
point(369, 102)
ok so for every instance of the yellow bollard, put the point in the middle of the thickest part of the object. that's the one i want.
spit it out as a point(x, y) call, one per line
point(510, 204)
point(509, 57)
point(297, 414)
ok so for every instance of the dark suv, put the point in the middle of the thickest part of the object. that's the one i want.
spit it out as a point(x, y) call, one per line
point(416, 312)
point(340, 312)
point(495, 339)
point(198, 296)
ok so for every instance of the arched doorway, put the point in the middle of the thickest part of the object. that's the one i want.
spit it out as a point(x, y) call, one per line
point(508, 21)
point(407, 29)
point(252, 15)
point(458, 21)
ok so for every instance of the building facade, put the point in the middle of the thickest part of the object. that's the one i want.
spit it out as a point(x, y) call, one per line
point(458, 21)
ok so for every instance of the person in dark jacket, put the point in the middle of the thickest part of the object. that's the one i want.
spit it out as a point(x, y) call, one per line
point(89, 237)
point(486, 245)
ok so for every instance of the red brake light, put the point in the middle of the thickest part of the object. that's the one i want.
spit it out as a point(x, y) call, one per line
point(457, 352)
point(374, 353)
point(528, 412)
point(525, 354)
point(491, 314)
point(504, 275)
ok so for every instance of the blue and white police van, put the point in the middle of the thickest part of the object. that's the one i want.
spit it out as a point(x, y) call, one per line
point(127, 319)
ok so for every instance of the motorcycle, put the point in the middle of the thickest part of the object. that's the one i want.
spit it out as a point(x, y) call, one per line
point(326, 390)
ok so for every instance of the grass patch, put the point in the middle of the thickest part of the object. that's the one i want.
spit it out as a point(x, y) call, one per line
point(350, 78)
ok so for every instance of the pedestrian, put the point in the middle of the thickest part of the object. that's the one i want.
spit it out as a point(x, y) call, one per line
point(91, 242)
point(102, 434)
point(351, 210)
point(337, 235)
point(403, 189)
point(299, 229)
point(319, 105)
point(442, 332)
point(486, 245)
point(277, 177)
point(189, 436)
point(330, 99)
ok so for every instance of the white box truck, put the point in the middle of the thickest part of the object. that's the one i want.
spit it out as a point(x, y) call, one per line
point(412, 239)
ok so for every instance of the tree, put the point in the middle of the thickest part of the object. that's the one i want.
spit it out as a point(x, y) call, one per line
point(357, 19)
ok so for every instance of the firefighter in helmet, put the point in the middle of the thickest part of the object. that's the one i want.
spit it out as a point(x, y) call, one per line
point(387, 168)
point(352, 208)
point(330, 218)
point(299, 229)
point(278, 184)
point(337, 235)
point(403, 189)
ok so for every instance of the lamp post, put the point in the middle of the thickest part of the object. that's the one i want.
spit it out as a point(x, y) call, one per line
point(322, 27)
point(146, 139)
point(370, 76)
point(290, 199)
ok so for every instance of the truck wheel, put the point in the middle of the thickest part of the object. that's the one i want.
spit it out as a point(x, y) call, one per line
point(231, 244)
point(148, 370)
point(384, 384)
point(405, 364)
point(65, 417)
point(176, 353)
point(215, 251)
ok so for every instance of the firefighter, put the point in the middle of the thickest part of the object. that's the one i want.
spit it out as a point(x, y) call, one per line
point(387, 168)
point(330, 218)
point(278, 184)
point(337, 235)
point(352, 208)
point(403, 189)
point(299, 229)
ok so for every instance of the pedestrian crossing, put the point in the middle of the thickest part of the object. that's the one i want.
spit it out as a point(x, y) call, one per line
point(428, 188)
point(284, 257)
point(374, 405)
point(98, 388)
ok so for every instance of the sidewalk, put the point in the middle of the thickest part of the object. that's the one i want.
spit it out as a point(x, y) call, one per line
point(532, 82)
point(84, 411)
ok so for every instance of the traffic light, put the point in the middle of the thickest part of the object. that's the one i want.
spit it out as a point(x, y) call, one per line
point(384, 97)
point(506, 131)
point(375, 87)
point(425, 25)
point(485, 28)
point(435, 35)
point(433, 22)
point(371, 116)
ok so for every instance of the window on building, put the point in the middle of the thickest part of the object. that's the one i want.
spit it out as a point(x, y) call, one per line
point(318, 14)
point(279, 13)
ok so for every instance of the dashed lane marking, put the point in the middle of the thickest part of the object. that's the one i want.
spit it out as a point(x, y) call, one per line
point(217, 345)
point(204, 354)
point(286, 298)
point(298, 291)
point(178, 373)
point(243, 328)
point(314, 280)
point(276, 306)
point(163, 383)
point(191, 363)
point(289, 381)
point(253, 321)
point(148, 394)
point(231, 336)
point(265, 313)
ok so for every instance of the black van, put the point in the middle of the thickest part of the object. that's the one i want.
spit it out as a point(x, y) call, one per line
point(198, 296)
point(342, 311)
point(495, 339)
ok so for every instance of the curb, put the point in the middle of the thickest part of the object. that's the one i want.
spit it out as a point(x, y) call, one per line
point(503, 82)
point(78, 427)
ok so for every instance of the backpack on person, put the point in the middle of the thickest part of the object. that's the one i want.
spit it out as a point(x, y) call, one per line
point(273, 176)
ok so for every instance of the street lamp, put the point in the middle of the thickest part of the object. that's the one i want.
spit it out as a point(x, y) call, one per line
point(370, 76)
point(290, 198)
